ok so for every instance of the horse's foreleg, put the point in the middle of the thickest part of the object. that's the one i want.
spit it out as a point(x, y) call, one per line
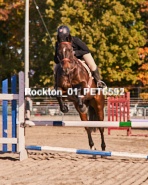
point(63, 107)
point(82, 106)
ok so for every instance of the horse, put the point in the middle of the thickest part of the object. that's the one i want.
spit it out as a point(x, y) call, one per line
point(71, 74)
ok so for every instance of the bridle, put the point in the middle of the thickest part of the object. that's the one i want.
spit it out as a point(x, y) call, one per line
point(66, 43)
point(66, 59)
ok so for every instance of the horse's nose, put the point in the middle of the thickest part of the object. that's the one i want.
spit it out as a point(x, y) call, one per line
point(66, 70)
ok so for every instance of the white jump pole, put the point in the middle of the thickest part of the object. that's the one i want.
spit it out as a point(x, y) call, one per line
point(132, 124)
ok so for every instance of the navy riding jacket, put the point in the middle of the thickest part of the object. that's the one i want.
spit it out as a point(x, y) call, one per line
point(79, 47)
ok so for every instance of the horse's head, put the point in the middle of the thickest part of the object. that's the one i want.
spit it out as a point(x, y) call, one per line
point(66, 56)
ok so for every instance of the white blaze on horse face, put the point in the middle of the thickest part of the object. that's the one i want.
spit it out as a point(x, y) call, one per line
point(64, 52)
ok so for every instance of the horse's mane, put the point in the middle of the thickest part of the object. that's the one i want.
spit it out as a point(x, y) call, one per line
point(80, 64)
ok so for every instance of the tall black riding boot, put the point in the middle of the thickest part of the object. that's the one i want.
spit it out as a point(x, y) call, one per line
point(98, 81)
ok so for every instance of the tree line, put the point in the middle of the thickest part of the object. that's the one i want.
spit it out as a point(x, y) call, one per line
point(115, 32)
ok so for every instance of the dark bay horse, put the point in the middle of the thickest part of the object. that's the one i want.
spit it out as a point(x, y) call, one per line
point(72, 74)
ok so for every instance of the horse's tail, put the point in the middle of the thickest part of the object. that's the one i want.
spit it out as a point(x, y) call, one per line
point(92, 116)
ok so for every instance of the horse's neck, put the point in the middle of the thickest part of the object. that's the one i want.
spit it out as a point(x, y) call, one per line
point(82, 68)
point(80, 71)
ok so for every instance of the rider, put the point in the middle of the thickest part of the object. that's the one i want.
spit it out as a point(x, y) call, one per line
point(80, 51)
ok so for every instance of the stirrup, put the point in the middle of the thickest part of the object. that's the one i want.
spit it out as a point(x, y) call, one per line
point(101, 84)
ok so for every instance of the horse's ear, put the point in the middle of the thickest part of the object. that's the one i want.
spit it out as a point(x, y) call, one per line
point(69, 38)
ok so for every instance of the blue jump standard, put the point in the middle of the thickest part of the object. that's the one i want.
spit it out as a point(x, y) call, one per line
point(87, 152)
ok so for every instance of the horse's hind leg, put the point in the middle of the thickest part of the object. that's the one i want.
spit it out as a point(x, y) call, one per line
point(83, 117)
point(91, 143)
point(101, 118)
point(102, 138)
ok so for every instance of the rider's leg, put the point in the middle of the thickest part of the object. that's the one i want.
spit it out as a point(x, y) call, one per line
point(91, 63)
point(55, 72)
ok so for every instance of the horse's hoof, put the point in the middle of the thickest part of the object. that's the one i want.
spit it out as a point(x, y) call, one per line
point(94, 156)
point(64, 109)
point(103, 156)
point(83, 109)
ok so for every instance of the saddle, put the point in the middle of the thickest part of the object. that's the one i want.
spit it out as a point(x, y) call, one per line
point(89, 72)
point(102, 84)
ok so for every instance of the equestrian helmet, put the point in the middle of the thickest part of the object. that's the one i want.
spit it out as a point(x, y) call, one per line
point(63, 30)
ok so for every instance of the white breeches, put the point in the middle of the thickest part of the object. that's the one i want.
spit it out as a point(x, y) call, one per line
point(90, 61)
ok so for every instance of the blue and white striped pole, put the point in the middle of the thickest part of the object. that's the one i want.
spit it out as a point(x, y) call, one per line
point(88, 152)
